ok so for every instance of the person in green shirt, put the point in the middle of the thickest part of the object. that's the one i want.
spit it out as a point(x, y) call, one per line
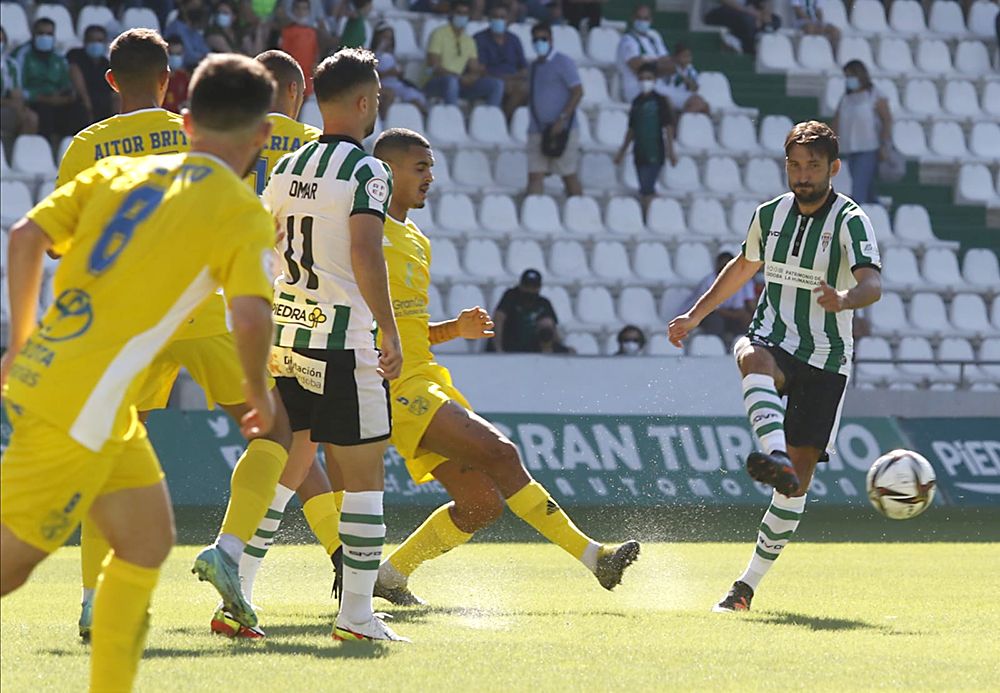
point(354, 30)
point(15, 116)
point(46, 84)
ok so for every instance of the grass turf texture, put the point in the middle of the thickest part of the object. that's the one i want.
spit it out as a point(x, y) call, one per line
point(830, 616)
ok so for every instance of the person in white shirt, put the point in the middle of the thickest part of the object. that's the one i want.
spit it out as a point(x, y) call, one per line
point(682, 86)
point(807, 16)
point(641, 45)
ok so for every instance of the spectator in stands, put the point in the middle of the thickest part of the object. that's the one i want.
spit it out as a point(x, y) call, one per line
point(502, 56)
point(352, 25)
point(650, 126)
point(192, 17)
point(180, 77)
point(394, 86)
point(731, 319)
point(476, 7)
point(641, 45)
point(547, 339)
point(681, 87)
point(863, 124)
point(453, 59)
point(583, 13)
point(631, 341)
point(808, 18)
point(87, 69)
point(15, 116)
point(224, 33)
point(302, 37)
point(555, 91)
point(516, 316)
point(46, 84)
point(745, 19)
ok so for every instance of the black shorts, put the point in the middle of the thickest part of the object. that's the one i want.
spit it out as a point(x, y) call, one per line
point(336, 395)
point(814, 396)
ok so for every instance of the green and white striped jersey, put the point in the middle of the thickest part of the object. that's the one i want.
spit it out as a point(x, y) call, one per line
point(312, 193)
point(798, 252)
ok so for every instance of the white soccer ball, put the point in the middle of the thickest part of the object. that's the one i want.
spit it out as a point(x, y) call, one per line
point(901, 484)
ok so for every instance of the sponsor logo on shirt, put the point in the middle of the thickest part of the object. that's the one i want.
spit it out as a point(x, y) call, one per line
point(71, 317)
point(304, 315)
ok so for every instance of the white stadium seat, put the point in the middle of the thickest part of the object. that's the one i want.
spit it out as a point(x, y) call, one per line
point(519, 123)
point(140, 18)
point(975, 184)
point(659, 345)
point(611, 127)
point(906, 17)
point(695, 132)
point(444, 261)
point(510, 170)
point(595, 87)
point(737, 134)
point(928, 315)
point(582, 216)
point(32, 155)
point(423, 217)
point(722, 175)
point(583, 343)
point(708, 218)
point(917, 349)
point(968, 315)
point(740, 215)
point(442, 172)
point(774, 54)
point(881, 223)
point(764, 177)
point(446, 125)
point(854, 48)
point(65, 32)
point(523, 32)
point(46, 188)
point(989, 350)
point(498, 215)
point(946, 19)
point(63, 146)
point(487, 125)
point(15, 23)
point(940, 268)
point(561, 303)
point(908, 137)
point(435, 304)
point(973, 59)
point(522, 255)
point(995, 313)
point(948, 140)
point(960, 98)
point(833, 92)
point(609, 260)
point(482, 260)
point(566, 39)
point(472, 169)
point(568, 260)
point(874, 348)
point(933, 57)
point(602, 45)
point(674, 301)
point(15, 203)
point(637, 307)
point(981, 268)
point(666, 218)
point(455, 213)
point(887, 315)
point(956, 349)
point(913, 225)
point(652, 262)
point(714, 87)
point(598, 172)
point(623, 216)
point(463, 296)
point(595, 307)
point(773, 130)
point(539, 214)
point(706, 345)
point(683, 176)
point(89, 16)
point(982, 18)
point(985, 140)
point(920, 96)
point(890, 92)
point(5, 171)
point(586, 137)
point(894, 56)
point(692, 262)
point(310, 114)
point(406, 40)
point(868, 17)
point(816, 55)
point(899, 267)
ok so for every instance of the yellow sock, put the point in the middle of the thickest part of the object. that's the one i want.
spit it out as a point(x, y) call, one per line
point(323, 515)
point(436, 536)
point(121, 621)
point(534, 505)
point(93, 550)
point(255, 477)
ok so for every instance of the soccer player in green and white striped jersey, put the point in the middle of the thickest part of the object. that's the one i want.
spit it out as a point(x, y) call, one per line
point(821, 262)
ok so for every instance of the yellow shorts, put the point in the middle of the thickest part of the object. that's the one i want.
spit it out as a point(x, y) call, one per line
point(48, 481)
point(416, 398)
point(212, 362)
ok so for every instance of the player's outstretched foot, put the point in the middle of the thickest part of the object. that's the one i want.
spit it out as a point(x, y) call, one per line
point(224, 624)
point(738, 599)
point(337, 559)
point(214, 566)
point(774, 470)
point(400, 596)
point(86, 619)
point(613, 560)
point(375, 629)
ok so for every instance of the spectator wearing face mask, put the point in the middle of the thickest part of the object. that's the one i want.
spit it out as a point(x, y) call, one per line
point(192, 18)
point(180, 77)
point(863, 124)
point(223, 34)
point(631, 341)
point(87, 69)
point(46, 84)
point(453, 59)
point(651, 128)
point(301, 39)
point(547, 339)
point(394, 86)
point(517, 315)
point(15, 116)
point(642, 46)
point(502, 56)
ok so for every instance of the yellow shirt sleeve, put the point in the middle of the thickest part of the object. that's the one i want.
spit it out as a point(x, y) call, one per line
point(78, 157)
point(59, 213)
point(244, 268)
point(437, 39)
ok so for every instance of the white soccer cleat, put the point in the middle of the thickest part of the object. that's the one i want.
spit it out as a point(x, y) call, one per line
point(375, 629)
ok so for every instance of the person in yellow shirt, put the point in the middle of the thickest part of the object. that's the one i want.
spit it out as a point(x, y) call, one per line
point(78, 447)
point(453, 59)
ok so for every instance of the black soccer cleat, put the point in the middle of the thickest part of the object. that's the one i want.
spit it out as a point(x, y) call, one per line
point(337, 559)
point(612, 560)
point(774, 470)
point(738, 599)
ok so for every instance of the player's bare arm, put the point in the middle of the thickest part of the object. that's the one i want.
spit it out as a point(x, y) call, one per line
point(26, 248)
point(252, 330)
point(867, 292)
point(471, 323)
point(368, 263)
point(734, 275)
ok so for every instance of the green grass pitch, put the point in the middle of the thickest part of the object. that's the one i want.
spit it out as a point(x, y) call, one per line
point(520, 616)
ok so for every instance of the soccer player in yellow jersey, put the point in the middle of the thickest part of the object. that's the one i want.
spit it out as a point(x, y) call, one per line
point(78, 447)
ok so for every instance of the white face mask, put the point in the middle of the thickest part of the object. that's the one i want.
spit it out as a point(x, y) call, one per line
point(630, 347)
point(646, 85)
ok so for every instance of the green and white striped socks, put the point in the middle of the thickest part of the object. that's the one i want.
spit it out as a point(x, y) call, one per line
point(260, 542)
point(776, 529)
point(362, 531)
point(765, 411)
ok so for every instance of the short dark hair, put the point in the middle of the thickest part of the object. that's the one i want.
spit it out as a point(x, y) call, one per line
point(343, 72)
point(396, 140)
point(230, 92)
point(816, 136)
point(284, 68)
point(175, 38)
point(541, 27)
point(138, 57)
point(40, 21)
point(95, 27)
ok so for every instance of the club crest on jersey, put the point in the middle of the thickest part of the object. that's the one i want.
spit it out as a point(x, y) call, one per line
point(377, 189)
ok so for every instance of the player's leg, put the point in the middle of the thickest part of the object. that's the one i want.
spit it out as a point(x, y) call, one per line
point(17, 560)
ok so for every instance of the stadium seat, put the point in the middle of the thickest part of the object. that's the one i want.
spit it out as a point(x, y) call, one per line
point(940, 268)
point(637, 307)
point(583, 129)
point(568, 260)
point(985, 140)
point(89, 16)
point(595, 307)
point(446, 125)
point(854, 48)
point(737, 134)
point(498, 215)
point(609, 260)
point(894, 56)
point(973, 59)
point(674, 302)
point(483, 261)
point(920, 97)
point(566, 39)
point(708, 218)
point(666, 218)
point(740, 215)
point(899, 268)
point(968, 315)
point(472, 169)
point(908, 137)
point(652, 263)
point(310, 114)
point(913, 225)
point(833, 92)
point(774, 54)
point(695, 133)
point(880, 222)
point(598, 172)
point(15, 202)
point(816, 55)
point(975, 184)
point(659, 345)
point(46, 188)
point(519, 125)
point(5, 172)
point(540, 215)
point(611, 127)
point(456, 213)
point(928, 316)
point(423, 217)
point(764, 177)
point(948, 140)
point(561, 303)
point(462, 296)
point(444, 261)
point(706, 345)
point(868, 17)
point(946, 19)
point(960, 98)
point(406, 40)
point(683, 176)
point(405, 115)
point(906, 18)
point(891, 93)
point(63, 146)
point(874, 348)
point(595, 87)
point(956, 349)
point(989, 350)
point(523, 32)
point(582, 216)
point(442, 173)
point(65, 32)
point(582, 343)
point(140, 18)
point(933, 57)
point(15, 23)
point(722, 175)
point(888, 316)
point(522, 255)
point(995, 312)
point(510, 170)
point(623, 216)
point(692, 262)
point(917, 349)
point(773, 130)
point(715, 89)
point(602, 45)
point(32, 155)
point(981, 268)
point(982, 18)
point(487, 125)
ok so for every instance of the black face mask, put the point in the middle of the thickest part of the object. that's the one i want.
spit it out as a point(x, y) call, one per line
point(546, 334)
